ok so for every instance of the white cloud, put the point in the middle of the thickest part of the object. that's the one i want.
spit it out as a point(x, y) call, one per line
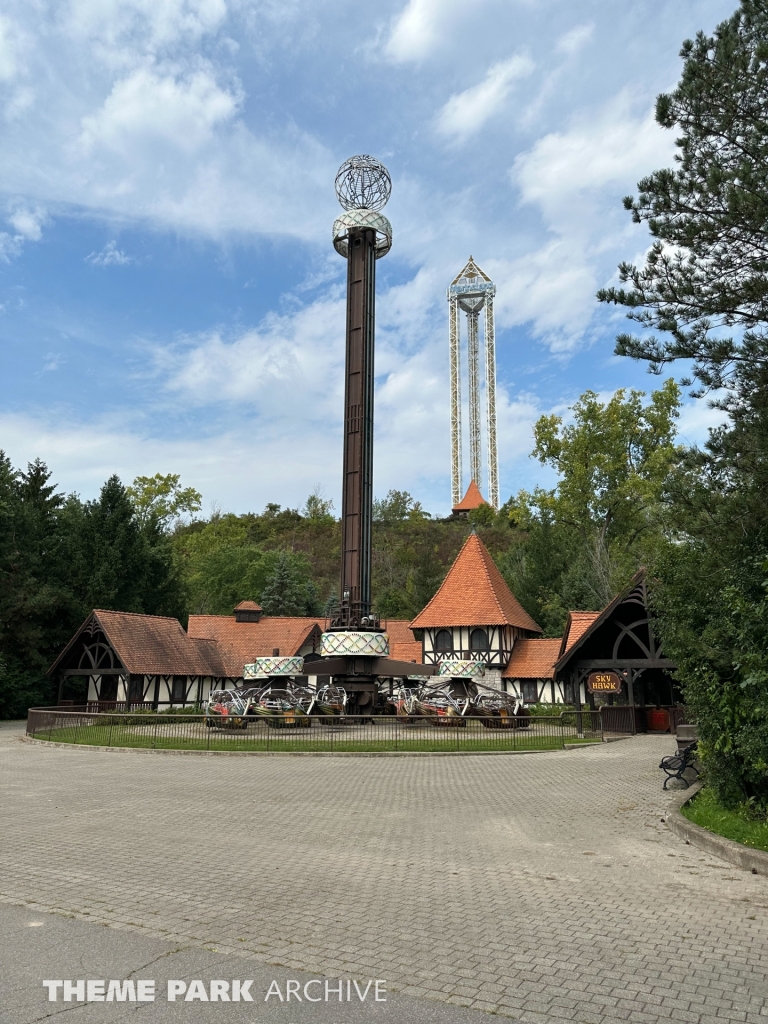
point(154, 23)
point(110, 256)
point(575, 39)
point(697, 418)
point(28, 222)
point(10, 44)
point(552, 288)
point(417, 28)
point(147, 107)
point(266, 367)
point(612, 148)
point(466, 112)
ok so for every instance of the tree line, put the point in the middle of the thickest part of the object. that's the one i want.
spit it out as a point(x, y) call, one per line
point(627, 492)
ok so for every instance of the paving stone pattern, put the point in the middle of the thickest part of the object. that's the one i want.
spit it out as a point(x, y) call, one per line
point(542, 887)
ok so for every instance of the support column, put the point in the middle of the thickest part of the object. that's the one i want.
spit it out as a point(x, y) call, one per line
point(357, 493)
point(457, 490)
point(473, 353)
point(490, 398)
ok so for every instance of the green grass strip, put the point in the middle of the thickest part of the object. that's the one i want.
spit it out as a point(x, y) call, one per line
point(308, 742)
point(705, 810)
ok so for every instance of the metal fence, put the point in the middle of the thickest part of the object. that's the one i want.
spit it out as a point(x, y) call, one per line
point(315, 734)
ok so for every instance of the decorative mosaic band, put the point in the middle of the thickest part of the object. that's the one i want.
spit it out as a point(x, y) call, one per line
point(263, 667)
point(458, 669)
point(352, 642)
point(362, 219)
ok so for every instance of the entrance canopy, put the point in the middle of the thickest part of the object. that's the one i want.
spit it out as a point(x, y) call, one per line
point(620, 639)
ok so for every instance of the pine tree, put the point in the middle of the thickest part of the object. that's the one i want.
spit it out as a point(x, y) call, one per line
point(707, 270)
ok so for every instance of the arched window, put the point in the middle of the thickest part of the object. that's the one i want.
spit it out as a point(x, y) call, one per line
point(444, 641)
point(478, 640)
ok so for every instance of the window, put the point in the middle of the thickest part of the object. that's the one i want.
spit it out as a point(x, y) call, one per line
point(444, 641)
point(136, 688)
point(179, 692)
point(478, 640)
point(530, 692)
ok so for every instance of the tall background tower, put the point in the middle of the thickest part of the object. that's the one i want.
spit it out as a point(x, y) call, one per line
point(471, 292)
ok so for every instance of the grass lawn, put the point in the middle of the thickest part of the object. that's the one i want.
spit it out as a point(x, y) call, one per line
point(308, 741)
point(704, 810)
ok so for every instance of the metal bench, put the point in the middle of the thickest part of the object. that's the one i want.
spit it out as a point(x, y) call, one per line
point(677, 764)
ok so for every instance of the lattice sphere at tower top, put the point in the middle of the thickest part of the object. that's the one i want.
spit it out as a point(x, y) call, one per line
point(363, 183)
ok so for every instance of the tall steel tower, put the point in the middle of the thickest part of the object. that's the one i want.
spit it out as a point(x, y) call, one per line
point(471, 292)
point(361, 235)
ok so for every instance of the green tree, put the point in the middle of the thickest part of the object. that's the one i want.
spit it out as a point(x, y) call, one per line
point(397, 507)
point(119, 562)
point(288, 589)
point(318, 508)
point(706, 272)
point(704, 287)
point(579, 542)
point(161, 499)
point(612, 460)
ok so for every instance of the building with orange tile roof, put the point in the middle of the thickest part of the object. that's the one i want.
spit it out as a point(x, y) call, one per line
point(151, 659)
point(472, 499)
point(474, 616)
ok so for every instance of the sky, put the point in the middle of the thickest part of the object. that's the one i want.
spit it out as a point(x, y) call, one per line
point(170, 300)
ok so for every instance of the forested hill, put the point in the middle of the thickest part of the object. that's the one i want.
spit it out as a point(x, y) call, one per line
point(289, 560)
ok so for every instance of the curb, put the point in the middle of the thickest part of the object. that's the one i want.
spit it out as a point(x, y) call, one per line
point(296, 753)
point(735, 853)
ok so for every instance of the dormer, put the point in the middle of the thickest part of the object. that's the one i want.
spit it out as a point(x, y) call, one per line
point(248, 611)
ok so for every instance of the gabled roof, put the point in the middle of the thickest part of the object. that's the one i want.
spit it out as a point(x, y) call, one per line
point(470, 272)
point(533, 658)
point(152, 645)
point(240, 642)
point(472, 499)
point(577, 625)
point(588, 628)
point(474, 593)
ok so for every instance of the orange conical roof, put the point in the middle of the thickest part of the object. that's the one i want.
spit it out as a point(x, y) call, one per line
point(474, 593)
point(472, 499)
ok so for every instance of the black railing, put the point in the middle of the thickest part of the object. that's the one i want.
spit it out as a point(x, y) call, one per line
point(292, 733)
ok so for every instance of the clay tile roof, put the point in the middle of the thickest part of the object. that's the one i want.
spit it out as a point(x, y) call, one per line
point(472, 499)
point(533, 659)
point(406, 651)
point(398, 630)
point(474, 593)
point(248, 606)
point(577, 625)
point(241, 642)
point(156, 645)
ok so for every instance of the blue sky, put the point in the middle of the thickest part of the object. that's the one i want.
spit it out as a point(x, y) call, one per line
point(169, 297)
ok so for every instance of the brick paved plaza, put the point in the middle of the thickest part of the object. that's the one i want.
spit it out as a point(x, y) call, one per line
point(539, 886)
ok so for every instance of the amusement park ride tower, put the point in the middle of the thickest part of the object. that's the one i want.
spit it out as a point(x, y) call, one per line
point(355, 650)
point(470, 292)
point(361, 235)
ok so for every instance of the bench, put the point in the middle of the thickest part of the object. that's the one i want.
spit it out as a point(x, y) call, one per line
point(677, 764)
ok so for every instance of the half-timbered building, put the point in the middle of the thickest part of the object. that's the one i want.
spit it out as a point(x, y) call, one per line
point(474, 616)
